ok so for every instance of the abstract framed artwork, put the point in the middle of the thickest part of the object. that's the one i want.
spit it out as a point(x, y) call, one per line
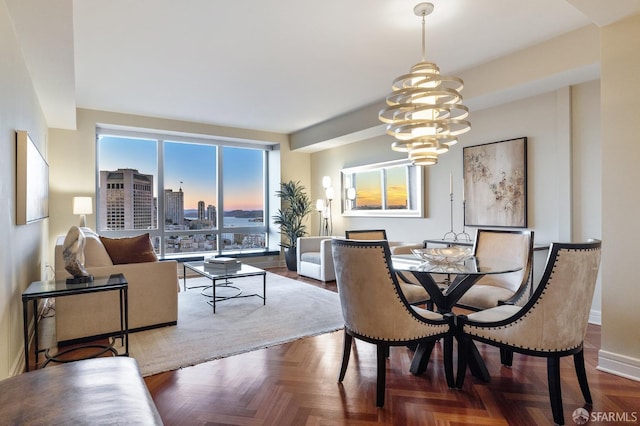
point(32, 181)
point(495, 184)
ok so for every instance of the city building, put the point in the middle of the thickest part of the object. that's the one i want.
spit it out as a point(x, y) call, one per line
point(127, 202)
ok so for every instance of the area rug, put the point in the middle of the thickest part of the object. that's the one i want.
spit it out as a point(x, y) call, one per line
point(293, 310)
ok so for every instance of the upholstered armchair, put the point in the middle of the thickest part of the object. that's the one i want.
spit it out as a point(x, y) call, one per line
point(551, 324)
point(314, 258)
point(495, 289)
point(375, 309)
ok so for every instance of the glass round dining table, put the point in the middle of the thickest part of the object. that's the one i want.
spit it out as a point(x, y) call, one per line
point(446, 296)
point(466, 274)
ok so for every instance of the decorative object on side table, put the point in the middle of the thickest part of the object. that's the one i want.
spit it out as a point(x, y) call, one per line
point(73, 255)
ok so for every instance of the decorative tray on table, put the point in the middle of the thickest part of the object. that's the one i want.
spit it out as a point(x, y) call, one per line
point(444, 255)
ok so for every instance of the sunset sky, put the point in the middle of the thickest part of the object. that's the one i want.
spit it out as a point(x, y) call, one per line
point(192, 167)
point(369, 189)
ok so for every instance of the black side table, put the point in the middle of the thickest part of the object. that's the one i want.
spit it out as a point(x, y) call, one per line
point(45, 289)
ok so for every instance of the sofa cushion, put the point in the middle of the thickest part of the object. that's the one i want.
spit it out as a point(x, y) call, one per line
point(130, 250)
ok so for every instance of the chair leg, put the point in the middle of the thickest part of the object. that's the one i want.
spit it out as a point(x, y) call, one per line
point(448, 360)
point(463, 350)
point(578, 361)
point(382, 351)
point(346, 353)
point(421, 357)
point(506, 357)
point(555, 393)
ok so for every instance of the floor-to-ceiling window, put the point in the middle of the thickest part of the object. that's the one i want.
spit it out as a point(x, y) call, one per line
point(194, 196)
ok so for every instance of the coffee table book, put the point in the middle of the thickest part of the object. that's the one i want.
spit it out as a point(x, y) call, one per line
point(222, 265)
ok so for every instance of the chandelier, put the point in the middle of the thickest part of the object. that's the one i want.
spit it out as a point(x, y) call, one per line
point(423, 112)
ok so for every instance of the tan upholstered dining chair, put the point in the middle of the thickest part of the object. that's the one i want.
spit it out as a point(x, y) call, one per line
point(511, 288)
point(376, 311)
point(412, 289)
point(551, 324)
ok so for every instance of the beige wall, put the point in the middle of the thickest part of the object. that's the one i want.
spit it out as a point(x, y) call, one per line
point(546, 120)
point(620, 91)
point(23, 256)
point(566, 199)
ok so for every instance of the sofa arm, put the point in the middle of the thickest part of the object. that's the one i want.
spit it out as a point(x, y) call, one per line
point(328, 271)
point(153, 301)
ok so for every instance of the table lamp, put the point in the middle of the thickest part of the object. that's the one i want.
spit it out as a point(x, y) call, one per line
point(82, 206)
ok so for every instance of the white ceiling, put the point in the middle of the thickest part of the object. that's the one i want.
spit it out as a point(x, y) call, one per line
point(272, 65)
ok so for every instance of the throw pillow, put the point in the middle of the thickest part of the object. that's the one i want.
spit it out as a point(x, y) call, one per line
point(129, 250)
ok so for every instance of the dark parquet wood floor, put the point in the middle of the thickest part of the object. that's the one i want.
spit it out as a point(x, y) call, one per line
point(296, 384)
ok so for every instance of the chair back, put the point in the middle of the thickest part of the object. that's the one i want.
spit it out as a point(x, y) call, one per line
point(516, 245)
point(366, 234)
point(555, 318)
point(373, 305)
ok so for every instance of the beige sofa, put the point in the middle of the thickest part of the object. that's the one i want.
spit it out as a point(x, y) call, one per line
point(153, 295)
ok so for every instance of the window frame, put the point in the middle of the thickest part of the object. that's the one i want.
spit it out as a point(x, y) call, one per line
point(160, 231)
point(414, 190)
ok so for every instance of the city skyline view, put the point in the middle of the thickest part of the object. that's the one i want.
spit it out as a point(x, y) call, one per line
point(192, 167)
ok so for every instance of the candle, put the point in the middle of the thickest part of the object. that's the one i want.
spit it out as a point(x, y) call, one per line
point(450, 183)
point(462, 190)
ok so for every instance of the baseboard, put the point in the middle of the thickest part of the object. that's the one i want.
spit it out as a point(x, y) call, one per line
point(595, 317)
point(619, 365)
point(87, 339)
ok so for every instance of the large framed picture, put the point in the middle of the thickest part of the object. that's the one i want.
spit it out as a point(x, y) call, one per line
point(32, 181)
point(495, 184)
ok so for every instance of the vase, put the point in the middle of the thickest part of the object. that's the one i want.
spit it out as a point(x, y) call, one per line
point(291, 258)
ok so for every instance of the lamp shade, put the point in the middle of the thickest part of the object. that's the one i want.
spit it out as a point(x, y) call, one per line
point(82, 205)
point(326, 182)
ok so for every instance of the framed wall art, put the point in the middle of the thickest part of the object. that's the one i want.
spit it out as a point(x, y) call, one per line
point(495, 184)
point(32, 181)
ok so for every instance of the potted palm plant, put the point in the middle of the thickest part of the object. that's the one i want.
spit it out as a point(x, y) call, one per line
point(295, 207)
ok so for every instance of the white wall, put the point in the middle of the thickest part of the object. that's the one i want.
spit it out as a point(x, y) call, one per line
point(620, 91)
point(587, 173)
point(24, 247)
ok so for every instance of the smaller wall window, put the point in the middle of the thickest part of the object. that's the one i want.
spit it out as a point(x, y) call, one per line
point(384, 189)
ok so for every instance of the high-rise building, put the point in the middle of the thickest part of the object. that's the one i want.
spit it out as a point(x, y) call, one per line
point(211, 215)
point(173, 207)
point(126, 200)
point(201, 211)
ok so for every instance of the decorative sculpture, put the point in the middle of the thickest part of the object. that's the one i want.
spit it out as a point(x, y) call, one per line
point(73, 255)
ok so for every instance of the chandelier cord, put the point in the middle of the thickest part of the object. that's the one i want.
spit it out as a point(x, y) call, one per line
point(424, 38)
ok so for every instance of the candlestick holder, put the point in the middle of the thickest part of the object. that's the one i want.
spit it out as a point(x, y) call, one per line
point(450, 234)
point(463, 234)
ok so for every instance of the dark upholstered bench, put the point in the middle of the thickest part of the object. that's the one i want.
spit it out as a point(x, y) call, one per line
point(94, 391)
